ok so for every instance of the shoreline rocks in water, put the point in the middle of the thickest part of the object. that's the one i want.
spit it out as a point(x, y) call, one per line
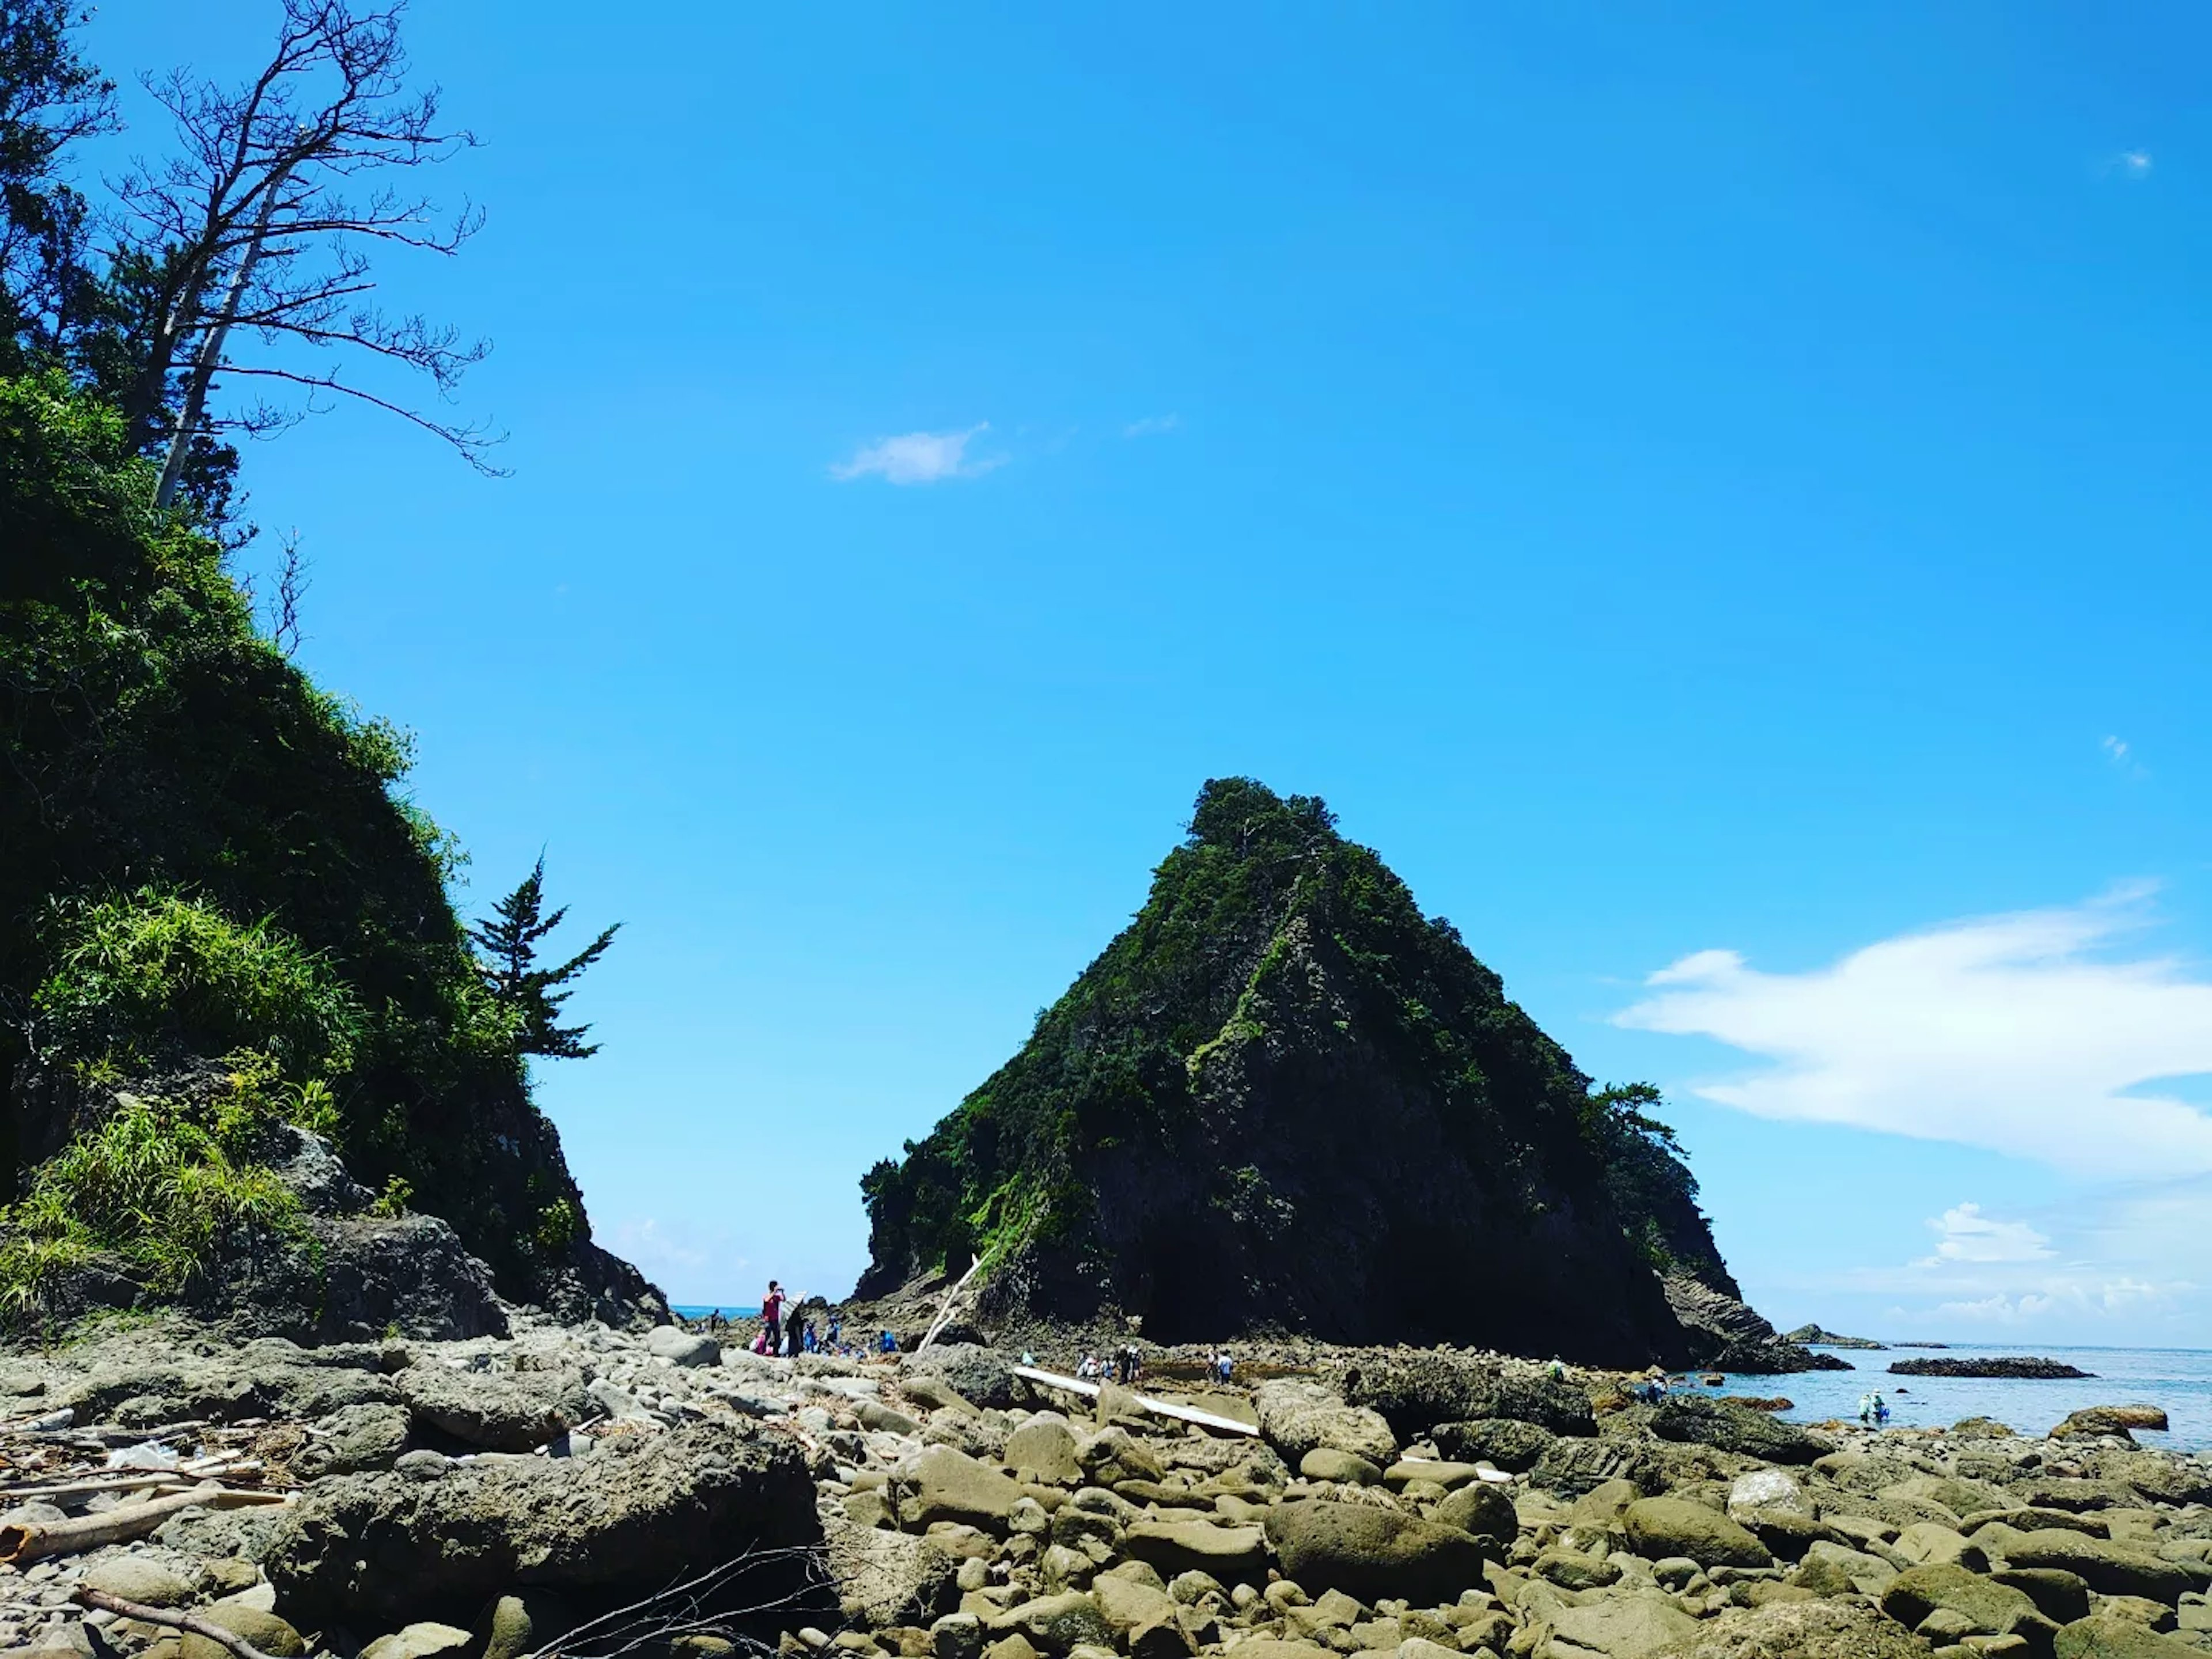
point(481, 1497)
point(2017, 1366)
point(1812, 1335)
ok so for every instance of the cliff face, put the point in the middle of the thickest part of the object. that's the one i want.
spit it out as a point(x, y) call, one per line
point(1283, 1099)
point(208, 860)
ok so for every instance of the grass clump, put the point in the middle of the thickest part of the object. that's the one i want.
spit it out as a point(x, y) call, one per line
point(140, 977)
point(156, 1187)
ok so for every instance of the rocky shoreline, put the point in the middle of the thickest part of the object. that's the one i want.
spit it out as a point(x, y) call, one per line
point(594, 1492)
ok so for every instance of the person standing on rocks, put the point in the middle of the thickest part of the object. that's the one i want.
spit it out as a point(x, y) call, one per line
point(772, 1316)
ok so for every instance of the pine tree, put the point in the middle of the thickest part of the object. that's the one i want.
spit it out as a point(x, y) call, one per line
point(509, 942)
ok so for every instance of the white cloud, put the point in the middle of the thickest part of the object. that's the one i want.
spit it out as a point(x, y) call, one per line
point(2135, 163)
point(2019, 1033)
point(686, 1263)
point(1964, 1234)
point(1151, 426)
point(2117, 748)
point(919, 458)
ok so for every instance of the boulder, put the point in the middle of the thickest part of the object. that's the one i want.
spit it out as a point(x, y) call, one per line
point(356, 1440)
point(1620, 1627)
point(1660, 1527)
point(424, 1640)
point(2107, 1637)
point(136, 1578)
point(1407, 1470)
point(678, 1346)
point(980, 1376)
point(1298, 1416)
point(2060, 1596)
point(1832, 1568)
point(1416, 1391)
point(1174, 1547)
point(1506, 1442)
point(491, 1411)
point(1345, 1468)
point(1988, 1609)
point(1803, 1630)
point(1054, 1624)
point(1483, 1509)
point(944, 1485)
point(1767, 1491)
point(1731, 1427)
point(640, 1512)
point(514, 1627)
point(883, 1577)
point(264, 1630)
point(1043, 1451)
point(1926, 1543)
point(1372, 1553)
point(2117, 1421)
point(2107, 1567)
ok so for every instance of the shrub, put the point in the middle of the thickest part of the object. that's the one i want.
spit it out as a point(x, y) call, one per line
point(141, 976)
point(154, 1186)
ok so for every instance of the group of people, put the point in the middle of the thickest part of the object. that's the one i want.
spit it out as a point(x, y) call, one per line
point(1124, 1365)
point(786, 1329)
point(1873, 1410)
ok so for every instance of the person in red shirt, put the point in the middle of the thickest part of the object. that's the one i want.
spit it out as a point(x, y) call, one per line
point(772, 1315)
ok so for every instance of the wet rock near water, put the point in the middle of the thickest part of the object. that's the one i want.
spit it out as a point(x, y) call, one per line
point(2021, 1366)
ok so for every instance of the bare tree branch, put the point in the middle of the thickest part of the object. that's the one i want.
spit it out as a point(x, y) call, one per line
point(253, 222)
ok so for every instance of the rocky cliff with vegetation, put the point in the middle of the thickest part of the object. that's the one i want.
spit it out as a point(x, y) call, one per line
point(1284, 1098)
point(226, 945)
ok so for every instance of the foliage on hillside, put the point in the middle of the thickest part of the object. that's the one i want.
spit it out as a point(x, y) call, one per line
point(204, 856)
point(1116, 1065)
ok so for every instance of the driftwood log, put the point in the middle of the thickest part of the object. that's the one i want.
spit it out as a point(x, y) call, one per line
point(185, 1621)
point(29, 1540)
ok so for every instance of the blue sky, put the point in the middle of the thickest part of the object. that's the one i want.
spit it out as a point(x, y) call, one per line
point(1724, 480)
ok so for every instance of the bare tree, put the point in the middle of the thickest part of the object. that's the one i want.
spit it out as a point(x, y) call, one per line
point(292, 586)
point(260, 222)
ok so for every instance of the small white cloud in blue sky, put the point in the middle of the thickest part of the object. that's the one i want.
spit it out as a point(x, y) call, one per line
point(2025, 1034)
point(1151, 426)
point(1963, 1233)
point(919, 458)
point(2135, 163)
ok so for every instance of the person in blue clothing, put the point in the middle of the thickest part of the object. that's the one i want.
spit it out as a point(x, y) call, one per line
point(890, 1343)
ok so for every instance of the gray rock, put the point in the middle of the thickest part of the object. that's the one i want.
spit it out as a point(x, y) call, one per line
point(2109, 1568)
point(680, 1348)
point(1372, 1553)
point(950, 1485)
point(1298, 1416)
point(1416, 1391)
point(884, 1578)
point(515, 1412)
point(136, 1578)
point(1620, 1627)
point(419, 1641)
point(1660, 1527)
point(1987, 1608)
point(1481, 1509)
point(1175, 1547)
point(1043, 1450)
point(1803, 1630)
point(979, 1375)
point(1054, 1624)
point(956, 1636)
point(516, 1625)
point(1734, 1428)
point(358, 1439)
point(640, 1513)
point(1345, 1468)
point(265, 1631)
point(1505, 1443)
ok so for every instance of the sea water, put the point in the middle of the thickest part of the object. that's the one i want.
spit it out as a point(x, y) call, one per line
point(727, 1309)
point(2177, 1379)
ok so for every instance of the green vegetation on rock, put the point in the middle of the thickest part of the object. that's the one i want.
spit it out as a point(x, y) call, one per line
point(1284, 1095)
point(204, 857)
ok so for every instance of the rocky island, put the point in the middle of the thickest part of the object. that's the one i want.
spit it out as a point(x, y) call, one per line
point(2016, 1366)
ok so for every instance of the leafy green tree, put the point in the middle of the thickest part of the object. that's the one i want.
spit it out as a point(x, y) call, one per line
point(509, 940)
point(49, 98)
